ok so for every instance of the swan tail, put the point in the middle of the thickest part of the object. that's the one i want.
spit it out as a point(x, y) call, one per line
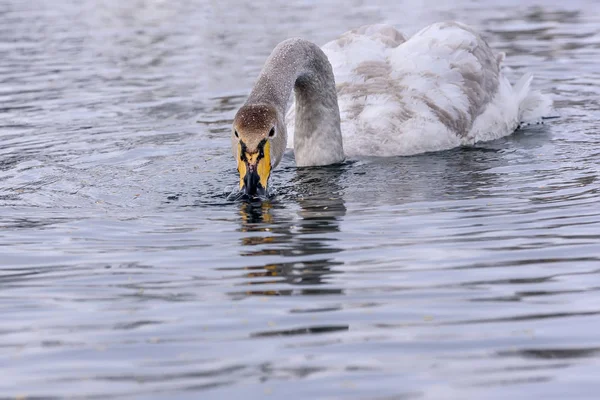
point(533, 105)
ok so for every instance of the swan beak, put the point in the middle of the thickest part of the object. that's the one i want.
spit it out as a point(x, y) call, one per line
point(255, 169)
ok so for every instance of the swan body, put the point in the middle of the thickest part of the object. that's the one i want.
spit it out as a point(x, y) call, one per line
point(373, 92)
point(439, 89)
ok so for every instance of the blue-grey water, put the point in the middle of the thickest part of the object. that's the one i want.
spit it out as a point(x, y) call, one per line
point(125, 272)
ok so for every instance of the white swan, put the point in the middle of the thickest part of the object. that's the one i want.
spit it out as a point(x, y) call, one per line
point(439, 89)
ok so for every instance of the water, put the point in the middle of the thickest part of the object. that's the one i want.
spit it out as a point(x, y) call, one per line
point(125, 272)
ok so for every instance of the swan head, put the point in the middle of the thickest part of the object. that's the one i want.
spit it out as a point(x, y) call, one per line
point(258, 140)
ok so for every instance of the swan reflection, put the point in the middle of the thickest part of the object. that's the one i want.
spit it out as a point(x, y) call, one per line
point(298, 241)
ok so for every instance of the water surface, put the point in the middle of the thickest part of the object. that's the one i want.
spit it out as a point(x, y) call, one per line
point(125, 273)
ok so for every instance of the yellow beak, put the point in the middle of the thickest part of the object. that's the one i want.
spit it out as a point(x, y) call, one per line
point(254, 168)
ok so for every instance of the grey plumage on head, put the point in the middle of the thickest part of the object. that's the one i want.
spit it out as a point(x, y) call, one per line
point(254, 122)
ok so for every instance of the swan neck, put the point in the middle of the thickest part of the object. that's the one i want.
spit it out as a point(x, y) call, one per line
point(301, 66)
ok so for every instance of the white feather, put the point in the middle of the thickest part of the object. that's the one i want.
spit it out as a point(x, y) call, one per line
point(439, 89)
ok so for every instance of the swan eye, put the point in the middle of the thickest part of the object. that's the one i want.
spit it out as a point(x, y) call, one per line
point(272, 132)
point(236, 134)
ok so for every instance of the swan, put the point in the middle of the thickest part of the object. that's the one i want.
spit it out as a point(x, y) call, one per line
point(373, 92)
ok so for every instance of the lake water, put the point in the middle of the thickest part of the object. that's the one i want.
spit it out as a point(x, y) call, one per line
point(125, 272)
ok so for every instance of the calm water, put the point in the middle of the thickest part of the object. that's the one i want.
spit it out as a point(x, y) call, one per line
point(125, 273)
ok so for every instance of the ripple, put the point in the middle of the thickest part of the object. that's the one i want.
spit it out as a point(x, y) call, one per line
point(127, 272)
